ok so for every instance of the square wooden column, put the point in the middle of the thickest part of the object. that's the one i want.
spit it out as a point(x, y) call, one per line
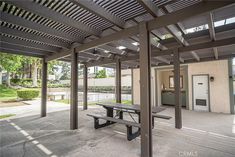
point(74, 92)
point(132, 87)
point(44, 89)
point(85, 88)
point(178, 117)
point(118, 82)
point(145, 92)
point(231, 91)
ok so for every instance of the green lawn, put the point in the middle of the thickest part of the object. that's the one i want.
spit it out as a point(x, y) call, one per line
point(7, 93)
point(128, 102)
point(66, 101)
point(6, 116)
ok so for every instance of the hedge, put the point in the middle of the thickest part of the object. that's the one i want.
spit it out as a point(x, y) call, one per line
point(27, 82)
point(58, 85)
point(28, 94)
point(15, 81)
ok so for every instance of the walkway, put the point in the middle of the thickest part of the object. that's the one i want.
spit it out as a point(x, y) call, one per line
point(34, 108)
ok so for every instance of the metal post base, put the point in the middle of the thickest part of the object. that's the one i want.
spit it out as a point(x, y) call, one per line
point(130, 134)
point(97, 125)
point(120, 114)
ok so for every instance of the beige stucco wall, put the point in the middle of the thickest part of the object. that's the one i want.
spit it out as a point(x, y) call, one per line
point(219, 88)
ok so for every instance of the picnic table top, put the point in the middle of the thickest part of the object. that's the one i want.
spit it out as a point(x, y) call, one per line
point(56, 93)
point(133, 107)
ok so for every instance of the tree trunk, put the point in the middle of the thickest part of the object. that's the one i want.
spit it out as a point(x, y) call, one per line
point(30, 71)
point(0, 76)
point(34, 69)
point(8, 79)
point(25, 71)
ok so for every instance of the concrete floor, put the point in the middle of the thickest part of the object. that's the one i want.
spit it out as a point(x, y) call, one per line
point(203, 135)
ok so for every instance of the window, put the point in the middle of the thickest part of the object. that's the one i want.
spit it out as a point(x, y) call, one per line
point(171, 82)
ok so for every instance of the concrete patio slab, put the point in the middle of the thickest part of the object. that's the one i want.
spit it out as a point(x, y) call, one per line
point(50, 136)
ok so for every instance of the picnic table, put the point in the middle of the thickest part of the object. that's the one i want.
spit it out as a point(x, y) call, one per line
point(112, 118)
point(52, 95)
point(110, 107)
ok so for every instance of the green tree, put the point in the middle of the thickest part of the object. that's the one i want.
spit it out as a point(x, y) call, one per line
point(35, 65)
point(11, 63)
point(65, 70)
point(53, 67)
point(101, 74)
point(0, 75)
point(15, 64)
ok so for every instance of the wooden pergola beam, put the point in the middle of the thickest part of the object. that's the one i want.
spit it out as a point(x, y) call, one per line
point(186, 49)
point(29, 44)
point(24, 49)
point(17, 52)
point(212, 33)
point(155, 12)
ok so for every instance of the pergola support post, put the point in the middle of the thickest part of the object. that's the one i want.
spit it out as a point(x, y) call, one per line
point(118, 82)
point(74, 92)
point(85, 88)
point(178, 117)
point(132, 87)
point(231, 91)
point(145, 92)
point(44, 89)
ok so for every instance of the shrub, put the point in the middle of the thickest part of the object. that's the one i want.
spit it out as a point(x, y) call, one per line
point(26, 82)
point(27, 94)
point(39, 81)
point(15, 81)
point(58, 85)
point(52, 81)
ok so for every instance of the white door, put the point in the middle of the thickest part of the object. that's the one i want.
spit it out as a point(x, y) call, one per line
point(201, 93)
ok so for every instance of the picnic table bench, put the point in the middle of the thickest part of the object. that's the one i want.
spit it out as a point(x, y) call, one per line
point(110, 120)
point(118, 118)
point(53, 95)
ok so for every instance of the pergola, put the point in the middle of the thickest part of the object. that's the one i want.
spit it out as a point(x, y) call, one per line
point(94, 33)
